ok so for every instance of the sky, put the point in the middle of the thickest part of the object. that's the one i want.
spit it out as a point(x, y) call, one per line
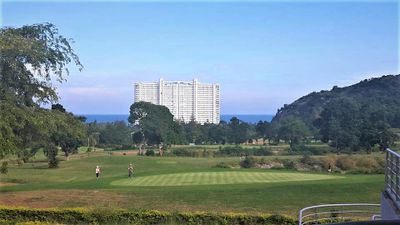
point(264, 54)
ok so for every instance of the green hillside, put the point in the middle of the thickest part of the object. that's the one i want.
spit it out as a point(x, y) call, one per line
point(382, 92)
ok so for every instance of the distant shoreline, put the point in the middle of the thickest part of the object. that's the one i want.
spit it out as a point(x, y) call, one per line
point(103, 118)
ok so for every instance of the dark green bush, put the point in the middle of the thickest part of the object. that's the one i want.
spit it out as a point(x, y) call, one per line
point(150, 152)
point(4, 167)
point(226, 165)
point(239, 151)
point(248, 162)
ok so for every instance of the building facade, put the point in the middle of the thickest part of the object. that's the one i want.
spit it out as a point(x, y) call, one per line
point(186, 100)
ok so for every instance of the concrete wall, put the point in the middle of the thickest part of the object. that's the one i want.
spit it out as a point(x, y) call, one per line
point(389, 210)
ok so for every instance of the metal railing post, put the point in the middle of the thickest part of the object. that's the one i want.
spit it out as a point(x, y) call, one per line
point(397, 179)
point(387, 170)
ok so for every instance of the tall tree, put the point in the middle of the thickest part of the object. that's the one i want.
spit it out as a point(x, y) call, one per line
point(31, 57)
point(68, 131)
point(239, 131)
point(292, 130)
point(264, 130)
point(156, 124)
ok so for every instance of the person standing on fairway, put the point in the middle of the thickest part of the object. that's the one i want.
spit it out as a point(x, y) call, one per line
point(97, 172)
point(130, 170)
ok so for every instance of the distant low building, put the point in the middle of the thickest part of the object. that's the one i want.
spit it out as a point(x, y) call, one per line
point(186, 100)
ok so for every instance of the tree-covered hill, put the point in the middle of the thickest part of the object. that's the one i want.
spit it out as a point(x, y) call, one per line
point(380, 93)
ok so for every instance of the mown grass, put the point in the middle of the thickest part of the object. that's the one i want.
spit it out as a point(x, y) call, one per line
point(218, 178)
point(266, 197)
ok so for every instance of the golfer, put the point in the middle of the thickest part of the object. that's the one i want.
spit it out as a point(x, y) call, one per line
point(97, 172)
point(130, 170)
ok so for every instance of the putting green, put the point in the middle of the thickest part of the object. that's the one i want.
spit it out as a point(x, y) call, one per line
point(215, 178)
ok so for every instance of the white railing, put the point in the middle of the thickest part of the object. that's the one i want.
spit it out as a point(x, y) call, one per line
point(334, 213)
point(392, 173)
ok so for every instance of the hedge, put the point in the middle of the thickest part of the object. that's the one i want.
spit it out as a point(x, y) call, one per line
point(143, 217)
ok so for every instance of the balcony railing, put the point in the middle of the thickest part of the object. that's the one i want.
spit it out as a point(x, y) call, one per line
point(361, 211)
point(335, 213)
point(392, 172)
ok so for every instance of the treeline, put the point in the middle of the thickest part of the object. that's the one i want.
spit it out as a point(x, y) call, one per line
point(344, 125)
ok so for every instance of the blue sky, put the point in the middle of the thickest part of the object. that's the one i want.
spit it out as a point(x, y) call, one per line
point(263, 54)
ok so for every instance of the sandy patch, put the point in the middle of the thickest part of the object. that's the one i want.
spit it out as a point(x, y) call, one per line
point(62, 198)
point(5, 184)
point(128, 152)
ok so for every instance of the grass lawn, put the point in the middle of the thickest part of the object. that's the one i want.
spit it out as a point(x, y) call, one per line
point(179, 184)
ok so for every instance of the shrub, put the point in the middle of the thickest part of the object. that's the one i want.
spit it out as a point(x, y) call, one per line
point(145, 217)
point(346, 163)
point(222, 165)
point(366, 162)
point(288, 164)
point(150, 152)
point(248, 162)
point(227, 165)
point(329, 161)
point(4, 167)
point(239, 151)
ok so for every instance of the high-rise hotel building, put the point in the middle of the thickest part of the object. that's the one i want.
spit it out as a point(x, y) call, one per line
point(186, 100)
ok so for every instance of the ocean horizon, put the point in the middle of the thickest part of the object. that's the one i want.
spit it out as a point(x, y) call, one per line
point(248, 118)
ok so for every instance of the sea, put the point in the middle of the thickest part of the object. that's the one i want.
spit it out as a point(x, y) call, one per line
point(104, 118)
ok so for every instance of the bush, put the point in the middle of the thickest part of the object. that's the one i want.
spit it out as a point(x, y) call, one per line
point(248, 162)
point(288, 164)
point(51, 152)
point(4, 168)
point(145, 217)
point(239, 151)
point(150, 152)
point(226, 165)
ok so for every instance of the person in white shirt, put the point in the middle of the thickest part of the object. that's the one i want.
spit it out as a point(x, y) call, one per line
point(97, 172)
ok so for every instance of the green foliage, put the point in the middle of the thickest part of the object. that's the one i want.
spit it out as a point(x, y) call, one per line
point(191, 152)
point(265, 130)
point(45, 51)
point(68, 132)
point(225, 165)
point(4, 167)
point(248, 162)
point(114, 134)
point(292, 130)
point(345, 124)
point(144, 217)
point(239, 131)
point(31, 56)
point(240, 151)
point(51, 153)
point(150, 152)
point(381, 93)
point(156, 123)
